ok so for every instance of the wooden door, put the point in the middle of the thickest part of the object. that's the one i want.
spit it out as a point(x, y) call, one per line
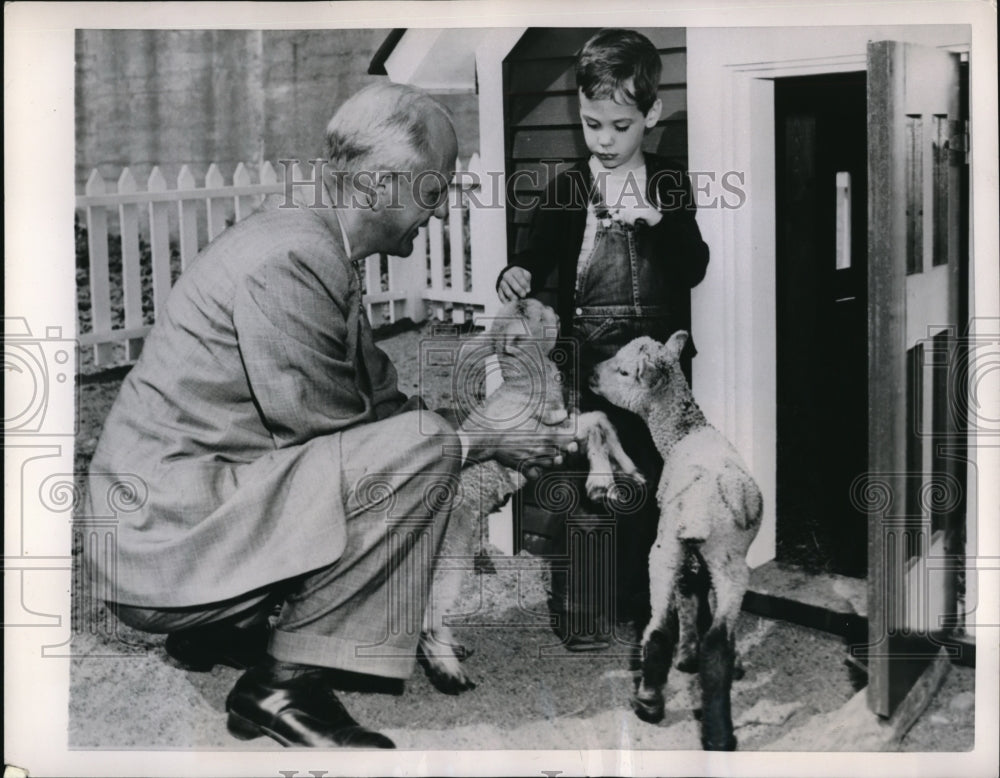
point(821, 198)
point(912, 492)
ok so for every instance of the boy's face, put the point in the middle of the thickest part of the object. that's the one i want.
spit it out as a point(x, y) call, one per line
point(613, 129)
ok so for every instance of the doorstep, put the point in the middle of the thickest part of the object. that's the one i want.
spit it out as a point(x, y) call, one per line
point(825, 601)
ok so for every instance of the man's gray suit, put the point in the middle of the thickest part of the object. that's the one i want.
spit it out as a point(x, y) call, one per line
point(268, 429)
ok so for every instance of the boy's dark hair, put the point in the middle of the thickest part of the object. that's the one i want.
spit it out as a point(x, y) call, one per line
point(612, 57)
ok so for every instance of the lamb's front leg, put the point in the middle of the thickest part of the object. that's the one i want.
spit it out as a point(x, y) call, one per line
point(660, 637)
point(438, 652)
point(605, 455)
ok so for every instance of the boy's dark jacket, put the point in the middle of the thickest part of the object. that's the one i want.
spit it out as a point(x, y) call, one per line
point(556, 237)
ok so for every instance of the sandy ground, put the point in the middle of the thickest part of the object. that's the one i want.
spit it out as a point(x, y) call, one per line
point(531, 692)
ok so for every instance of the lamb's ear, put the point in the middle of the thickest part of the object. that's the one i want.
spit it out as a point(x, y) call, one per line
point(645, 365)
point(648, 371)
point(674, 347)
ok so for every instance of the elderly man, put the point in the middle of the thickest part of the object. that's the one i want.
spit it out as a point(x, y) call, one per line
point(283, 465)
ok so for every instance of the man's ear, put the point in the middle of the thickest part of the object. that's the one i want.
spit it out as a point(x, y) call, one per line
point(653, 114)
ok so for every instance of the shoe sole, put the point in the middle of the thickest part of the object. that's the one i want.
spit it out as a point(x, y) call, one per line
point(243, 729)
point(587, 646)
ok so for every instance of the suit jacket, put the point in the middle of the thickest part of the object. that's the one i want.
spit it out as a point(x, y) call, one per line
point(230, 418)
point(556, 237)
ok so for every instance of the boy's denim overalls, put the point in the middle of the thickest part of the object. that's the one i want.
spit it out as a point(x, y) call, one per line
point(600, 573)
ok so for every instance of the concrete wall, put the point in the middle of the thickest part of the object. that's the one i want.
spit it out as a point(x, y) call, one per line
point(173, 97)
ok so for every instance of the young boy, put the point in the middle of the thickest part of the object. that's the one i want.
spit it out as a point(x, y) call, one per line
point(615, 249)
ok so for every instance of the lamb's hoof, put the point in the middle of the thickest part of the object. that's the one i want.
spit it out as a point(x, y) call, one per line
point(649, 710)
point(687, 663)
point(430, 639)
point(597, 491)
point(444, 680)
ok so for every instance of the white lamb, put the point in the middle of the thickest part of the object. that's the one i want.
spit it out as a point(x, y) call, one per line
point(710, 510)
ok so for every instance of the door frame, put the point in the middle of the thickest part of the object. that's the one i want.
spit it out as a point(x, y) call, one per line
point(731, 129)
point(746, 262)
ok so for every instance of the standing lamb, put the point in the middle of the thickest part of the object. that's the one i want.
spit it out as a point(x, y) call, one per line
point(710, 511)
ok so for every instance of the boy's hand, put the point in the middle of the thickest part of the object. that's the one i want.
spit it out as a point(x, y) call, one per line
point(514, 284)
point(645, 212)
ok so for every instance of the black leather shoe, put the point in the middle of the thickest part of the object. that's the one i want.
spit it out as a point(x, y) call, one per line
point(584, 643)
point(202, 648)
point(296, 709)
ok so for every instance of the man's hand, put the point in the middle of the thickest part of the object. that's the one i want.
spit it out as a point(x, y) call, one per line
point(532, 452)
point(514, 284)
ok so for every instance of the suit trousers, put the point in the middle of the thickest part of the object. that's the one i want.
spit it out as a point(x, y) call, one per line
point(364, 612)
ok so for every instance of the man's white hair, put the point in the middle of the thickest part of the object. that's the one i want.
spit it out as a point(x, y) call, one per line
point(383, 127)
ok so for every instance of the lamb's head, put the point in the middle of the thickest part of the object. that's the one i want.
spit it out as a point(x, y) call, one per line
point(524, 335)
point(522, 322)
point(639, 371)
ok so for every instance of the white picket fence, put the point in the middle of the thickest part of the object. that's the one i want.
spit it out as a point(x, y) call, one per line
point(436, 280)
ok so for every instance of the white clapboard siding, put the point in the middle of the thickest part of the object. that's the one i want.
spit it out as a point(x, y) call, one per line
point(180, 221)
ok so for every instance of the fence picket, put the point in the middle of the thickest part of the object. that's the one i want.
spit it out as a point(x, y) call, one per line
point(215, 206)
point(408, 277)
point(408, 291)
point(304, 188)
point(128, 216)
point(456, 237)
point(372, 285)
point(244, 205)
point(435, 238)
point(482, 276)
point(159, 241)
point(187, 213)
point(100, 281)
